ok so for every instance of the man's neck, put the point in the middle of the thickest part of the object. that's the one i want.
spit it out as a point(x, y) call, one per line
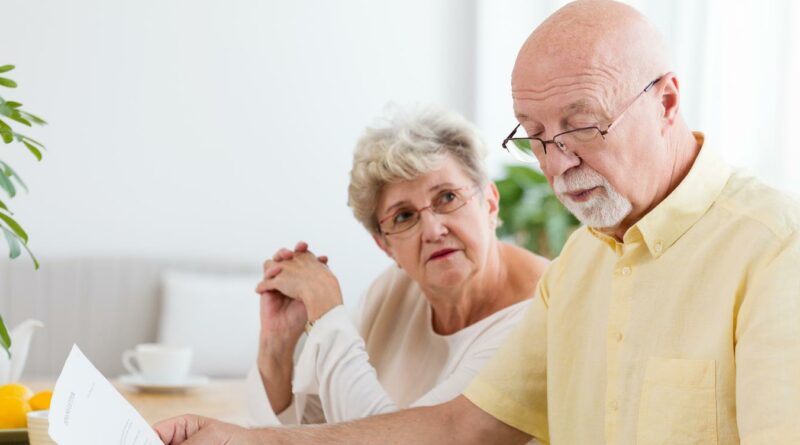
point(685, 149)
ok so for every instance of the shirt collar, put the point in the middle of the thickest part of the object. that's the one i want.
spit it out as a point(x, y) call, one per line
point(682, 208)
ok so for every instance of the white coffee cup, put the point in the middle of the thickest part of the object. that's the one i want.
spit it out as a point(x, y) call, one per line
point(158, 363)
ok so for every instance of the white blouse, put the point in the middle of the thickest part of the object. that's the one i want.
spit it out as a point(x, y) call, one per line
point(384, 359)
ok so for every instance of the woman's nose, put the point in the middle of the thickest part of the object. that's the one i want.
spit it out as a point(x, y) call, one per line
point(432, 225)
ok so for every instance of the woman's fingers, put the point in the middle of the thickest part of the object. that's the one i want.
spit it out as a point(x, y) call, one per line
point(323, 259)
point(272, 271)
point(283, 254)
point(277, 284)
point(301, 246)
point(269, 275)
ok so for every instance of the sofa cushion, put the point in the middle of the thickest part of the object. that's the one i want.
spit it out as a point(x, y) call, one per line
point(216, 315)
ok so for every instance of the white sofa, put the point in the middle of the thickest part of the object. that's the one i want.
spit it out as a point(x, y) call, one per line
point(108, 305)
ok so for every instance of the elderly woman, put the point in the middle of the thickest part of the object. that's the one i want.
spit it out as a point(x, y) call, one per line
point(427, 324)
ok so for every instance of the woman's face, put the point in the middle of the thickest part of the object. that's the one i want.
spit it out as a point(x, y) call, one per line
point(441, 250)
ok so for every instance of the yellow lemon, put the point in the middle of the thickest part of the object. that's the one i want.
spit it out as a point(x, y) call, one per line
point(41, 400)
point(13, 412)
point(16, 390)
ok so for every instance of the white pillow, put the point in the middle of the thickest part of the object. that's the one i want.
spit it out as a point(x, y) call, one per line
point(216, 315)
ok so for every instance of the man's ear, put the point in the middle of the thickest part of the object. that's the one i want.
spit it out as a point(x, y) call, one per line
point(670, 101)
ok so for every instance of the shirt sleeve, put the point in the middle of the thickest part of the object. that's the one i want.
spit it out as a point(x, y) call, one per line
point(304, 408)
point(259, 411)
point(513, 386)
point(768, 352)
point(335, 365)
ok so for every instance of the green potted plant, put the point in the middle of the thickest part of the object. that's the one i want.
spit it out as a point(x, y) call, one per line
point(531, 216)
point(11, 113)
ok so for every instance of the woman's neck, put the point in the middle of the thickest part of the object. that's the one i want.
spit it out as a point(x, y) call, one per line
point(482, 295)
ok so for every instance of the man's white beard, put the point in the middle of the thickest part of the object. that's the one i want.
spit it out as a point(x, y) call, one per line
point(606, 208)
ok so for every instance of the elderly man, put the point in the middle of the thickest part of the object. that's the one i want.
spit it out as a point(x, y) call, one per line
point(674, 317)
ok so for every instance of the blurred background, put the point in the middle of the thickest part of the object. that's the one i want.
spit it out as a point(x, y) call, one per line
point(203, 135)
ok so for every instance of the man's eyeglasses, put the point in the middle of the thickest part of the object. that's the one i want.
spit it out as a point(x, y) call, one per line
point(447, 201)
point(534, 150)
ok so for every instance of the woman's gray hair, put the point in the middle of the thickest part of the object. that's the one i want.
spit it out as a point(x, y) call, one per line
point(406, 145)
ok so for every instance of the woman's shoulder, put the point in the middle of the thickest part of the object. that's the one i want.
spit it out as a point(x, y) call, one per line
point(525, 268)
point(527, 260)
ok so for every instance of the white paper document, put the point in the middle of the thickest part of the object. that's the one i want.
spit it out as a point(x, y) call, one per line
point(87, 410)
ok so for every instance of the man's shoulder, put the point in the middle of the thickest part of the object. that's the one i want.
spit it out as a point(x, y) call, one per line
point(748, 198)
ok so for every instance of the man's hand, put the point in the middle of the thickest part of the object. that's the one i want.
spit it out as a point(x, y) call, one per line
point(196, 430)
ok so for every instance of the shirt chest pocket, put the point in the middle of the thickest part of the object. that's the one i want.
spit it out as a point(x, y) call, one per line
point(678, 403)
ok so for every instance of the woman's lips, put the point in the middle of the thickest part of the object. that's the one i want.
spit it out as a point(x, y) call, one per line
point(442, 254)
point(582, 195)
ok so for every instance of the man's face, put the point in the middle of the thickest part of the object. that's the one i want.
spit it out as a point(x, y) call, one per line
point(605, 181)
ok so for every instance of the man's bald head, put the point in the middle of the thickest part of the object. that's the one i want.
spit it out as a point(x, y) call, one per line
point(573, 79)
point(601, 37)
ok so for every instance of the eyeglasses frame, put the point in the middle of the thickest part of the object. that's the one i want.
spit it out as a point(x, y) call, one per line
point(431, 208)
point(561, 146)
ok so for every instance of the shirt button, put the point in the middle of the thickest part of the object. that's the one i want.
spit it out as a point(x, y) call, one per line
point(613, 405)
point(618, 336)
point(626, 270)
point(657, 247)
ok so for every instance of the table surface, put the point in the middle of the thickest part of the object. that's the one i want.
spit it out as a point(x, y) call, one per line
point(222, 399)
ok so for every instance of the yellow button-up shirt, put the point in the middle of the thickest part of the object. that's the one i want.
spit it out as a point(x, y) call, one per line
point(687, 332)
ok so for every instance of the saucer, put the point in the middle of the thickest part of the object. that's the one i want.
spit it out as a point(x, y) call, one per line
point(142, 384)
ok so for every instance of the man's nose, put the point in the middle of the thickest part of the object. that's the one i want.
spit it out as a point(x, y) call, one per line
point(557, 161)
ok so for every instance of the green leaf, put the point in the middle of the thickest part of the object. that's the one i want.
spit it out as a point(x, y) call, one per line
point(31, 140)
point(36, 152)
point(9, 172)
point(13, 104)
point(6, 132)
point(6, 68)
point(8, 186)
point(13, 243)
point(7, 82)
point(14, 226)
point(5, 207)
point(16, 116)
point(5, 339)
point(25, 246)
point(31, 117)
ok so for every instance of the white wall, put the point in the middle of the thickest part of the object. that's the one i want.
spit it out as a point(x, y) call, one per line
point(224, 129)
point(218, 129)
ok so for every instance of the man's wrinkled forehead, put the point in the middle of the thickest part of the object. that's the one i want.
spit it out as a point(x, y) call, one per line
point(586, 106)
point(566, 92)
